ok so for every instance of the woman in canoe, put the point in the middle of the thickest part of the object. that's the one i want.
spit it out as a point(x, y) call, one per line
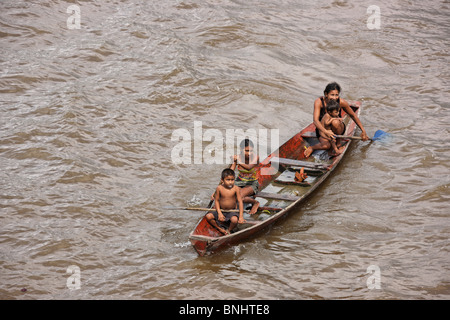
point(247, 179)
point(331, 92)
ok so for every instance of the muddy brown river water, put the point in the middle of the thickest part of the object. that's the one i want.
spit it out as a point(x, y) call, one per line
point(91, 96)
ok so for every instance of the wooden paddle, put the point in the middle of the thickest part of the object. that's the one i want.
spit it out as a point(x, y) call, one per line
point(377, 136)
point(202, 209)
point(349, 137)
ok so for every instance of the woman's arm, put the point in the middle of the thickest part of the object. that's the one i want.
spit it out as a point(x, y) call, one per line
point(346, 106)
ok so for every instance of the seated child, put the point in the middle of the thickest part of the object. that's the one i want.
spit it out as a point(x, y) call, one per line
point(226, 197)
point(247, 180)
point(330, 121)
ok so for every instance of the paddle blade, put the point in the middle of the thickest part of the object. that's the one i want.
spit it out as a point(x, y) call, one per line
point(380, 134)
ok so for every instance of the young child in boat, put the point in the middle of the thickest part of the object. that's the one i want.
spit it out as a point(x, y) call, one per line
point(330, 121)
point(247, 180)
point(332, 92)
point(227, 196)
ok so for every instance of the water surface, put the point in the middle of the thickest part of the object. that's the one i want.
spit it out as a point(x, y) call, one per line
point(85, 147)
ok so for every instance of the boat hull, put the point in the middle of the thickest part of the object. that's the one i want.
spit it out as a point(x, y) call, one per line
point(289, 194)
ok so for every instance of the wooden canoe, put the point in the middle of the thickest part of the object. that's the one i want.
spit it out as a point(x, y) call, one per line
point(279, 192)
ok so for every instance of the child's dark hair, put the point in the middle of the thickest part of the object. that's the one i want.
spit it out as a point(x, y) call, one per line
point(332, 86)
point(227, 172)
point(333, 105)
point(246, 143)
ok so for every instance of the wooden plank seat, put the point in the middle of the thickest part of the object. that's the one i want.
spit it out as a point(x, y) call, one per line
point(293, 162)
point(276, 196)
point(309, 134)
point(308, 171)
point(288, 177)
point(266, 208)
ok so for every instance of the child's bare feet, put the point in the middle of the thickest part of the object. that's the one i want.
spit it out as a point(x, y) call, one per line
point(308, 152)
point(254, 208)
point(223, 231)
point(338, 151)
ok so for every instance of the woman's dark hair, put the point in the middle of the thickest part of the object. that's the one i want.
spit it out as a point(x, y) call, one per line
point(332, 86)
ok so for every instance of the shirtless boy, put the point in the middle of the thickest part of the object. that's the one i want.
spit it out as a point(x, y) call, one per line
point(247, 164)
point(226, 197)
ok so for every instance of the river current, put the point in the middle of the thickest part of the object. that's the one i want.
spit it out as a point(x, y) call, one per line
point(91, 93)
